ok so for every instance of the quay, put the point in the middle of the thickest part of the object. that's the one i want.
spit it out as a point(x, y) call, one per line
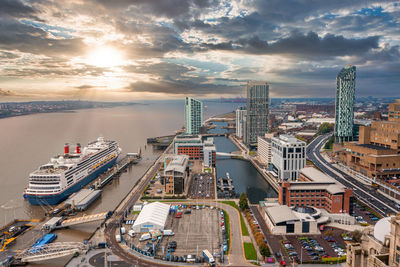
point(268, 177)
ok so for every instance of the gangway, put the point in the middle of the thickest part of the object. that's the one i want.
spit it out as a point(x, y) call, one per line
point(83, 219)
point(51, 251)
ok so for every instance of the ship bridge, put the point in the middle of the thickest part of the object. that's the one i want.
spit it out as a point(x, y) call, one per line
point(51, 251)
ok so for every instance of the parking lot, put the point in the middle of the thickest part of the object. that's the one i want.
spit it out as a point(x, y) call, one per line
point(364, 216)
point(195, 231)
point(202, 186)
point(312, 248)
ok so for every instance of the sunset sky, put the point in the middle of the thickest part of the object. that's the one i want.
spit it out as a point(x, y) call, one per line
point(156, 49)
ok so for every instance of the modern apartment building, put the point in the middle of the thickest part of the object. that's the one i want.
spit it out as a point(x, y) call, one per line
point(316, 189)
point(241, 113)
point(264, 148)
point(257, 111)
point(344, 105)
point(288, 156)
point(193, 115)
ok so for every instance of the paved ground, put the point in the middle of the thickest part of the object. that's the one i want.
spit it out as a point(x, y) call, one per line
point(202, 186)
point(194, 232)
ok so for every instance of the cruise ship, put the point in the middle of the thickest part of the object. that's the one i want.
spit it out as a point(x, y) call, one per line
point(65, 174)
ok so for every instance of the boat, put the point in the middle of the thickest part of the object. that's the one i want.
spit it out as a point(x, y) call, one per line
point(66, 174)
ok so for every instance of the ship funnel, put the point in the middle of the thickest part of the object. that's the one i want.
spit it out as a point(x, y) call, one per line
point(66, 149)
point(78, 148)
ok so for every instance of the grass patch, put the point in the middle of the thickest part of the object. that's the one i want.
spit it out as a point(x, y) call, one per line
point(227, 229)
point(250, 251)
point(243, 226)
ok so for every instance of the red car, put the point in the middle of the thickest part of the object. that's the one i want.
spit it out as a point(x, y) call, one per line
point(178, 215)
point(283, 263)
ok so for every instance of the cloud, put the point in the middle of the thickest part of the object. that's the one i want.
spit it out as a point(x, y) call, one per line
point(6, 93)
point(301, 45)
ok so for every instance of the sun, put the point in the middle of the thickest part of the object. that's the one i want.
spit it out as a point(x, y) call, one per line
point(105, 56)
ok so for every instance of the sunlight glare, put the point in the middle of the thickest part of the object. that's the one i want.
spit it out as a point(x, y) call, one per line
point(105, 57)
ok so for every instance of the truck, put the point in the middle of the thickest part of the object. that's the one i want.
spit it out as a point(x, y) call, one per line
point(118, 238)
point(208, 257)
point(145, 237)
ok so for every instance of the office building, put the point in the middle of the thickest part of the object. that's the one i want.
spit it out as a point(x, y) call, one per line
point(176, 174)
point(377, 153)
point(241, 122)
point(196, 149)
point(193, 115)
point(379, 245)
point(288, 156)
point(344, 105)
point(316, 189)
point(264, 149)
point(257, 111)
point(283, 220)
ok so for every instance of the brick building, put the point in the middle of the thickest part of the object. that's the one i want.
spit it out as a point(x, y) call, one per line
point(377, 153)
point(316, 189)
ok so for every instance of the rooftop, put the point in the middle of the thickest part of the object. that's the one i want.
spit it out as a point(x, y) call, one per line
point(370, 146)
point(155, 212)
point(280, 214)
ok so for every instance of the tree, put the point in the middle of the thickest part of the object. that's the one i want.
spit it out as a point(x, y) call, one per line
point(243, 203)
point(325, 128)
point(264, 250)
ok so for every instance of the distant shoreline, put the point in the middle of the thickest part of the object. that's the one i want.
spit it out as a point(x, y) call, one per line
point(69, 110)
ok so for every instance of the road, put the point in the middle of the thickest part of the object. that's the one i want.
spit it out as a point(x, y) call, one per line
point(366, 194)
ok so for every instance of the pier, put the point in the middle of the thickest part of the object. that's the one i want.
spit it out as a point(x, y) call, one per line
point(124, 163)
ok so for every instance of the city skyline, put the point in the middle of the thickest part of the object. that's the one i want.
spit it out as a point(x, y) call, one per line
point(207, 49)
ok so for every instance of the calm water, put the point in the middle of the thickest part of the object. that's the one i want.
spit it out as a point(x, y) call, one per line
point(245, 177)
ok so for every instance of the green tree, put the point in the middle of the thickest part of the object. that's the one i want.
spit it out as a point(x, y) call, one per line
point(243, 203)
point(264, 250)
point(325, 128)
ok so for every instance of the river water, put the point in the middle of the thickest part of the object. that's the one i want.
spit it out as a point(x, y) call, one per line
point(26, 142)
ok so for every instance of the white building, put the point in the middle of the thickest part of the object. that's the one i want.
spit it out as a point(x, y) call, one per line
point(288, 156)
point(193, 115)
point(264, 148)
point(209, 152)
point(241, 113)
point(152, 217)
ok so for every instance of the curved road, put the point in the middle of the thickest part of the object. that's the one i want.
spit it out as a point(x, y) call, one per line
point(370, 196)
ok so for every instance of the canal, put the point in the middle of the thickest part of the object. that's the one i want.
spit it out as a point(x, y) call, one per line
point(245, 176)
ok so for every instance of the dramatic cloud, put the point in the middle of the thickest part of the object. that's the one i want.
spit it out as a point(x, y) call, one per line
point(154, 48)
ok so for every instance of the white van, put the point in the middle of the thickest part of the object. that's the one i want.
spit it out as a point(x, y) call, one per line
point(131, 233)
point(168, 232)
point(118, 238)
point(145, 237)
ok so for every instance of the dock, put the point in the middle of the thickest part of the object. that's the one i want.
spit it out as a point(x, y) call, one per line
point(83, 199)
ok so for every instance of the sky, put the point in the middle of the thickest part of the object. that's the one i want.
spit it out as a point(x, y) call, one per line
point(166, 49)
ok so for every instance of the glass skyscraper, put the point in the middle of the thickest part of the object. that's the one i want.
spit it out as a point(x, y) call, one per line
point(344, 104)
point(257, 111)
point(193, 115)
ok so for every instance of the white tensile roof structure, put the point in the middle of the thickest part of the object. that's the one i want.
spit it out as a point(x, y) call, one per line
point(153, 216)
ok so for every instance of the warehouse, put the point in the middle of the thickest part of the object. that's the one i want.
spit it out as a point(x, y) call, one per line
point(152, 217)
